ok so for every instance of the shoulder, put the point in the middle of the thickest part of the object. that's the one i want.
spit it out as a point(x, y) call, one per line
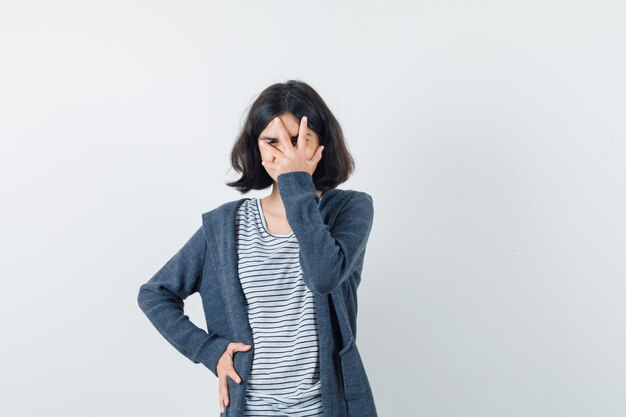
point(223, 211)
point(349, 200)
point(361, 203)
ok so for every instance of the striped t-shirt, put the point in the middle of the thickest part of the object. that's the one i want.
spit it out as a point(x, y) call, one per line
point(284, 379)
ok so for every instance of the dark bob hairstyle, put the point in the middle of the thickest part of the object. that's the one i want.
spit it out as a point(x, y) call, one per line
point(300, 99)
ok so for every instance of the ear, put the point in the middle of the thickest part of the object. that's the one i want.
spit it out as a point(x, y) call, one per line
point(317, 156)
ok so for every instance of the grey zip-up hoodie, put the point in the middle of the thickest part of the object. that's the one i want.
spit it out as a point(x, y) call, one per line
point(332, 233)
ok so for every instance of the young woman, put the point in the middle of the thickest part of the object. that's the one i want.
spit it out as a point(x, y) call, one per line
point(278, 275)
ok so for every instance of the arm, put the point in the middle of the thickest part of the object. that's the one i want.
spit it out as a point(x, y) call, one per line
point(328, 257)
point(161, 299)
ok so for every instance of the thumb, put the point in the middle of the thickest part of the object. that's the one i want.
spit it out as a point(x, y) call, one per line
point(240, 347)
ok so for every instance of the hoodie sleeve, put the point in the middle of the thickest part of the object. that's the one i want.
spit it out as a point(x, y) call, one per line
point(327, 257)
point(161, 300)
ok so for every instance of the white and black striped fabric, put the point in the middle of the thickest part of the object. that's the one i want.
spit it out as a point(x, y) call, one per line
point(284, 379)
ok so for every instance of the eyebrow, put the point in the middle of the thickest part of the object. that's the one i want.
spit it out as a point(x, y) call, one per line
point(273, 138)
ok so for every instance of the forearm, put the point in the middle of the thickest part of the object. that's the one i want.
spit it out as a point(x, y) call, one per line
point(162, 301)
point(327, 257)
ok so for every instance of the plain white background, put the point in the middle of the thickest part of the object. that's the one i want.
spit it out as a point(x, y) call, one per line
point(491, 136)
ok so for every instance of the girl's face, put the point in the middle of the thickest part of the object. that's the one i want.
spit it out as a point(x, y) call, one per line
point(292, 126)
